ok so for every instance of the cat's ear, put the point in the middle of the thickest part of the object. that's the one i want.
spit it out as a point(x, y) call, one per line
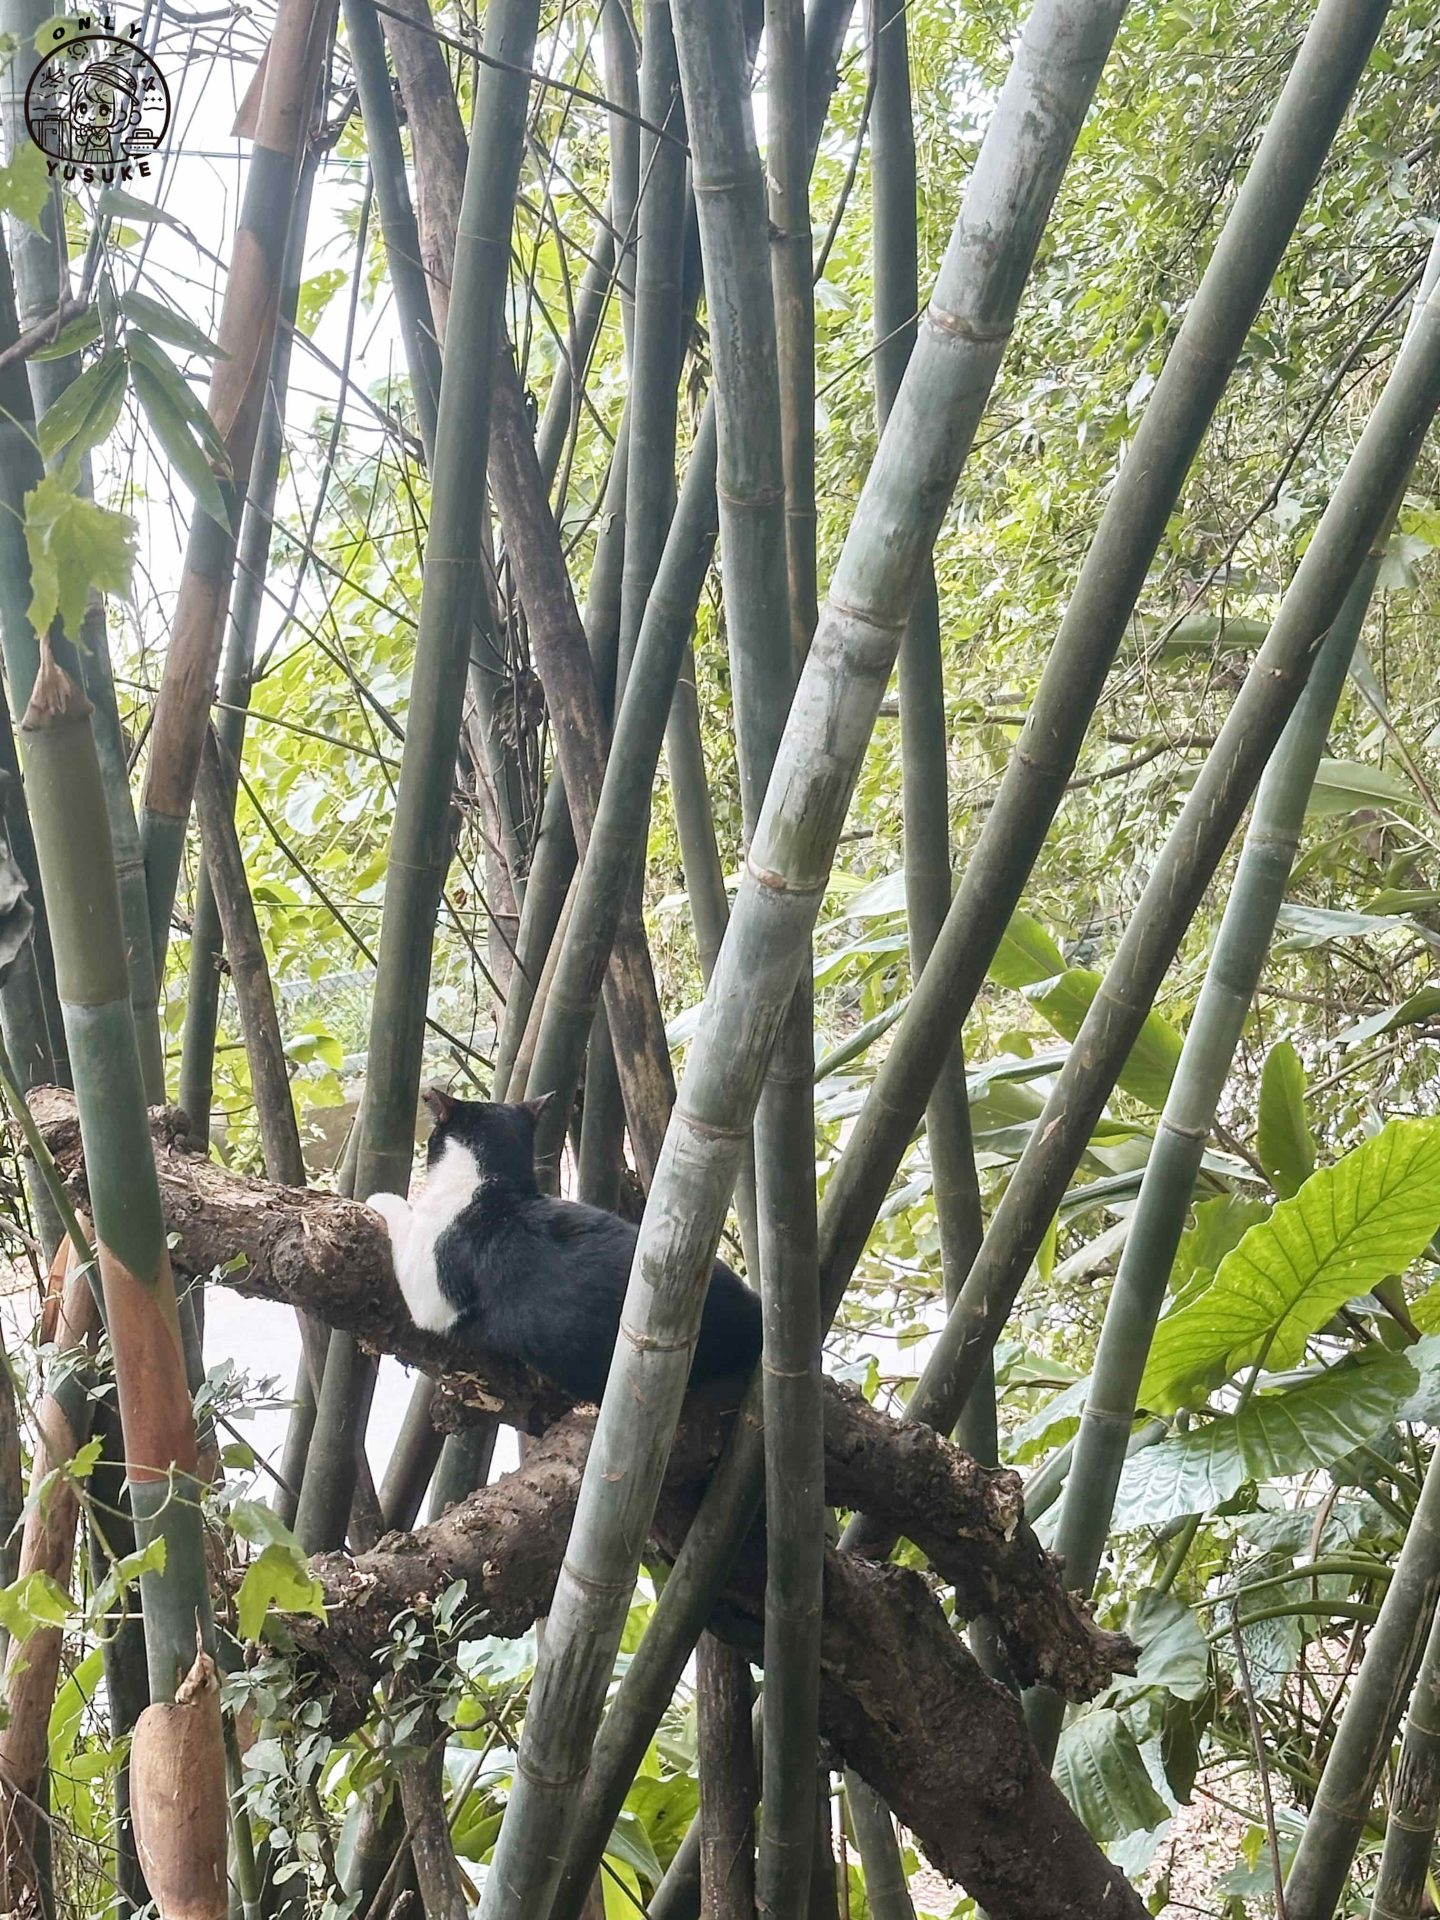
point(536, 1108)
point(440, 1104)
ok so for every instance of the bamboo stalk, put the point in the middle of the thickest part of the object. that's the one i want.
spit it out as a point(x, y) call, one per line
point(1196, 370)
point(620, 58)
point(420, 841)
point(1377, 1695)
point(1356, 512)
point(62, 1426)
point(141, 1316)
point(1236, 964)
point(887, 1892)
point(197, 1049)
point(1027, 145)
point(728, 1784)
point(1403, 1882)
point(237, 397)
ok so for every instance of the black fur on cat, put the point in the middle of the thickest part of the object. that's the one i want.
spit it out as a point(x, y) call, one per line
point(542, 1279)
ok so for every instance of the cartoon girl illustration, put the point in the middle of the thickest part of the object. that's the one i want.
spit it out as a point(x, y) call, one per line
point(105, 105)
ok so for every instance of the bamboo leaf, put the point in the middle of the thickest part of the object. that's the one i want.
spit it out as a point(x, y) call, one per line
point(83, 331)
point(188, 456)
point(86, 411)
point(1294, 1430)
point(1284, 1142)
point(1065, 1001)
point(1351, 1224)
point(1413, 1012)
point(1100, 1771)
point(73, 545)
point(166, 324)
point(1342, 786)
point(1027, 954)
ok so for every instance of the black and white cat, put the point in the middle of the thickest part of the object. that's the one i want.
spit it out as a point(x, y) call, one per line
point(482, 1254)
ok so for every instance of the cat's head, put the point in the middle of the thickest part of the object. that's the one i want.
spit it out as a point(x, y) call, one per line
point(500, 1138)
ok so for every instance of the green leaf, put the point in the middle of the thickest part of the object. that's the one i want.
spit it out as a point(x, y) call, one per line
point(1421, 1006)
point(83, 331)
point(1217, 1225)
point(1292, 1430)
point(1027, 954)
point(631, 1843)
point(1343, 786)
point(87, 410)
point(1285, 1145)
point(1099, 1769)
point(31, 1603)
point(1065, 1001)
point(261, 1525)
point(189, 458)
point(1350, 1225)
point(278, 1577)
point(166, 324)
point(25, 185)
point(1174, 1653)
point(114, 202)
point(73, 545)
point(1316, 926)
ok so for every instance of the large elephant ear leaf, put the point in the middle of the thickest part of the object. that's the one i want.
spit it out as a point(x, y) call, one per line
point(1349, 1226)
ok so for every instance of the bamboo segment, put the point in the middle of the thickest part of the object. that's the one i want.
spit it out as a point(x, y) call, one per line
point(1236, 963)
point(62, 1424)
point(1357, 511)
point(1402, 1886)
point(237, 397)
point(420, 842)
point(140, 1311)
point(1191, 382)
point(1366, 1729)
point(1027, 145)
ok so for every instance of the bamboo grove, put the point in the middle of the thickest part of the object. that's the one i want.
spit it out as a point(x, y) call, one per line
point(839, 597)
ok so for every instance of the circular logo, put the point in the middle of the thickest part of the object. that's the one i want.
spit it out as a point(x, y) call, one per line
point(97, 106)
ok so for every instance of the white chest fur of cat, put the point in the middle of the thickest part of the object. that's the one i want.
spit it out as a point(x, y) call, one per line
point(414, 1227)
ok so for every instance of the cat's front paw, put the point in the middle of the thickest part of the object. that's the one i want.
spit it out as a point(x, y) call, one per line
point(393, 1209)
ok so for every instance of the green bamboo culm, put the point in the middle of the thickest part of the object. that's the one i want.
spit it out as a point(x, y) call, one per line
point(78, 874)
point(29, 1008)
point(1236, 964)
point(38, 257)
point(1366, 1729)
point(202, 1001)
point(236, 400)
point(1353, 519)
point(1402, 1884)
point(420, 841)
point(887, 1892)
point(1194, 376)
point(1022, 159)
point(753, 491)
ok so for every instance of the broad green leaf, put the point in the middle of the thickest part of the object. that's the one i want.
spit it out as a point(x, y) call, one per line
point(73, 545)
point(1050, 1425)
point(1291, 1430)
point(261, 1525)
point(278, 1577)
point(631, 1843)
point(165, 323)
point(188, 458)
point(143, 351)
point(1216, 1226)
point(86, 411)
point(1027, 954)
point(1284, 1143)
point(1065, 1001)
point(1174, 1653)
point(1099, 1769)
point(1343, 786)
point(877, 901)
point(1351, 1224)
point(25, 185)
point(73, 1698)
point(1205, 632)
point(33, 1602)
